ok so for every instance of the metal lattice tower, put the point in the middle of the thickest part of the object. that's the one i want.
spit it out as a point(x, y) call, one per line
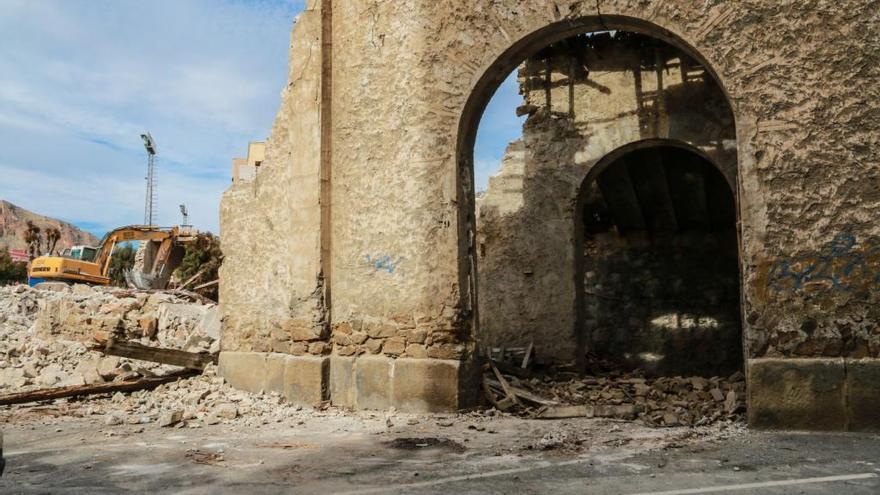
point(151, 180)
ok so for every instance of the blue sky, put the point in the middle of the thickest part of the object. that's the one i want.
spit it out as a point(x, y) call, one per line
point(83, 78)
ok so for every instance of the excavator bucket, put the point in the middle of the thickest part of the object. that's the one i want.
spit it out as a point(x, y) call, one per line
point(141, 280)
point(153, 265)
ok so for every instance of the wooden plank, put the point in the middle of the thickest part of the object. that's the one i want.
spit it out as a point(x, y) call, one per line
point(206, 285)
point(525, 361)
point(504, 384)
point(623, 411)
point(501, 405)
point(620, 196)
point(523, 394)
point(193, 278)
point(83, 390)
point(174, 357)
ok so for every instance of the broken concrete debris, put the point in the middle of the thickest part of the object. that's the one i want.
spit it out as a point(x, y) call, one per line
point(45, 335)
point(663, 401)
point(42, 362)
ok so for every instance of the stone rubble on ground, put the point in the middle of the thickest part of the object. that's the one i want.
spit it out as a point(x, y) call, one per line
point(662, 401)
point(43, 344)
point(45, 333)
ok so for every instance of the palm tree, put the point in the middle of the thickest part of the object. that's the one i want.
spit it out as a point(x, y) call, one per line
point(33, 238)
point(53, 235)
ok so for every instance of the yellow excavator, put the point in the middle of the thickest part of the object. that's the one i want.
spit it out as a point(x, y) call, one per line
point(161, 251)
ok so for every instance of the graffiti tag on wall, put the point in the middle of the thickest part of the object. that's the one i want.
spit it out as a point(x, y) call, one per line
point(841, 265)
point(384, 262)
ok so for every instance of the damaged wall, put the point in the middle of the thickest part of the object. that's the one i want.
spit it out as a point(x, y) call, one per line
point(586, 97)
point(271, 280)
point(389, 174)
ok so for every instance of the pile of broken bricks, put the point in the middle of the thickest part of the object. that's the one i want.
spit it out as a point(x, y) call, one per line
point(661, 401)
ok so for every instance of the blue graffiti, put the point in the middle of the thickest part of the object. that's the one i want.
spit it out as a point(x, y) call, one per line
point(840, 265)
point(384, 262)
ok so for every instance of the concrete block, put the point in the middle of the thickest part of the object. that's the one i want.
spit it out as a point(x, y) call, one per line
point(863, 388)
point(342, 391)
point(373, 382)
point(426, 385)
point(274, 381)
point(797, 394)
point(306, 379)
point(244, 370)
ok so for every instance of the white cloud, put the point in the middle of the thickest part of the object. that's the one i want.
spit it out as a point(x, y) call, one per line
point(82, 80)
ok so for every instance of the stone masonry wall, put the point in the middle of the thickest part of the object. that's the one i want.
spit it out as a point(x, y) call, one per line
point(272, 286)
point(382, 178)
point(586, 97)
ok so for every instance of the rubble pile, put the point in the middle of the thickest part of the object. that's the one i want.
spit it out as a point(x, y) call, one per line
point(662, 401)
point(45, 335)
point(202, 400)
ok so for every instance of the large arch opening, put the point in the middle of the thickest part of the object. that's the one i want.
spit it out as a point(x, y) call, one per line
point(657, 244)
point(589, 89)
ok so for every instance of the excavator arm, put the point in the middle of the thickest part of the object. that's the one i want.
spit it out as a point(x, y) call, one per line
point(160, 253)
point(129, 234)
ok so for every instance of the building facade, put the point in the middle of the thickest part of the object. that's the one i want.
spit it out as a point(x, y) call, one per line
point(351, 269)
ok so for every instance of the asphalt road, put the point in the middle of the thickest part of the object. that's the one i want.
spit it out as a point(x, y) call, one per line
point(333, 458)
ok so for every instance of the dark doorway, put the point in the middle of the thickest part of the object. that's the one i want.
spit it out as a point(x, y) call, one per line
point(660, 266)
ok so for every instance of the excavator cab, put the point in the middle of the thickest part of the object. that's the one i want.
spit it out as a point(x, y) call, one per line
point(82, 253)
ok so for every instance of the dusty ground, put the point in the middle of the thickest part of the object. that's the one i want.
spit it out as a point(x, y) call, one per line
point(343, 452)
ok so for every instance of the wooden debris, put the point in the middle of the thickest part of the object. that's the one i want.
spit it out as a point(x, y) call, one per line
point(192, 296)
point(501, 405)
point(529, 350)
point(623, 411)
point(83, 390)
point(557, 392)
point(174, 357)
point(206, 285)
point(504, 385)
point(193, 278)
point(523, 394)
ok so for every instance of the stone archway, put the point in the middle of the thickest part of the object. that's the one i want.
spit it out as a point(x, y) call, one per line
point(588, 97)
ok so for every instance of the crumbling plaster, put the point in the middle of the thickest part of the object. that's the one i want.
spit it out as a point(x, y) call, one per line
point(388, 119)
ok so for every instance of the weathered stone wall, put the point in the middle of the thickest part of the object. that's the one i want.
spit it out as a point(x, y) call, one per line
point(587, 97)
point(272, 281)
point(389, 172)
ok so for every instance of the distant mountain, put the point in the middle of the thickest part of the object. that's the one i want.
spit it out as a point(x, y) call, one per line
point(13, 223)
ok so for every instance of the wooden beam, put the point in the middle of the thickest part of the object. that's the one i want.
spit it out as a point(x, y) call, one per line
point(620, 196)
point(504, 385)
point(649, 180)
point(83, 390)
point(522, 393)
point(688, 190)
point(623, 411)
point(174, 357)
point(206, 285)
point(528, 356)
point(193, 278)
